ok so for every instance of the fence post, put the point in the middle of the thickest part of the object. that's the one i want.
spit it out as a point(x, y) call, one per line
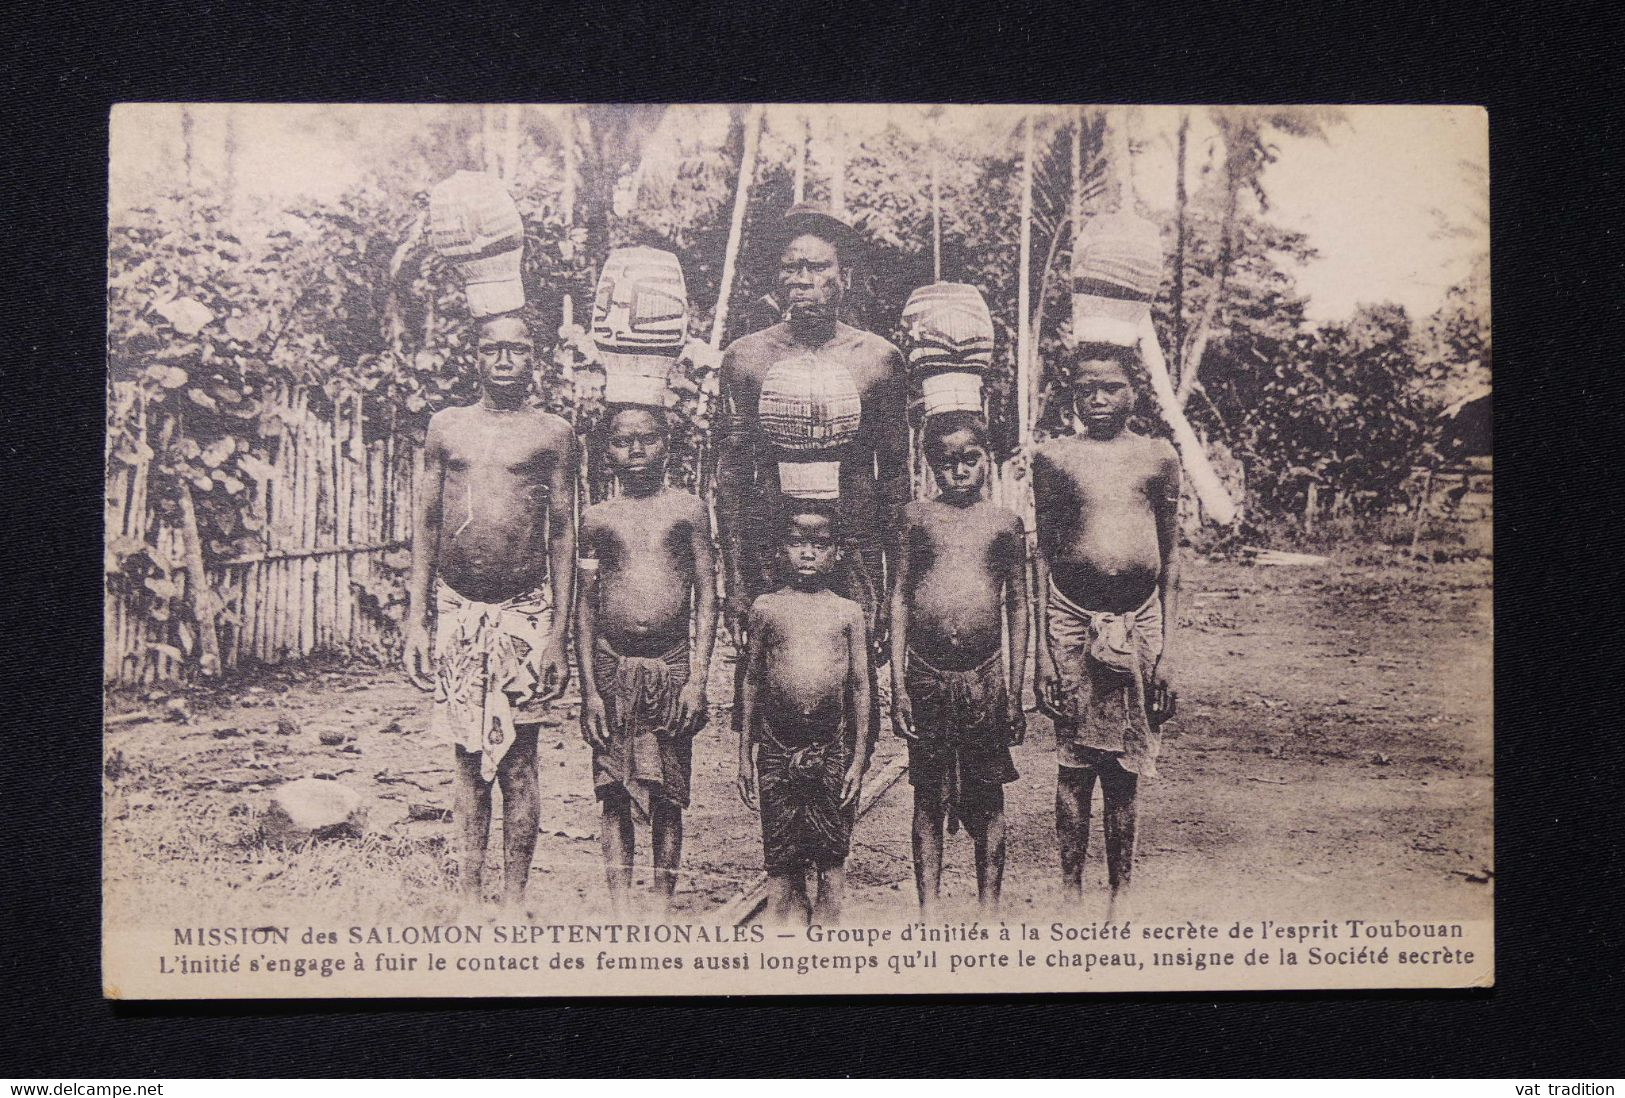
point(197, 584)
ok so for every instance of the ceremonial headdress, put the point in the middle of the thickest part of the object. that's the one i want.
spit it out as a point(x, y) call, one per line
point(949, 332)
point(1116, 271)
point(639, 323)
point(474, 223)
point(810, 406)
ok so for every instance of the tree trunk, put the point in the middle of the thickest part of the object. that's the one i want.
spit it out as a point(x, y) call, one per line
point(510, 144)
point(837, 178)
point(567, 198)
point(1181, 203)
point(800, 194)
point(1196, 348)
point(197, 585)
point(228, 148)
point(736, 223)
point(1024, 335)
point(936, 211)
point(189, 159)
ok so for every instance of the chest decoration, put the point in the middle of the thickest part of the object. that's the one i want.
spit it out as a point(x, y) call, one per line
point(950, 345)
point(810, 407)
point(1116, 269)
point(474, 224)
point(639, 322)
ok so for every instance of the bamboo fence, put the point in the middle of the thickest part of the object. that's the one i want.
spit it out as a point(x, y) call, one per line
point(329, 505)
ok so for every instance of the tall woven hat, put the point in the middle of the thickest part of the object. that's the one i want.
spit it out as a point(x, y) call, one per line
point(950, 345)
point(1116, 271)
point(809, 408)
point(639, 322)
point(474, 223)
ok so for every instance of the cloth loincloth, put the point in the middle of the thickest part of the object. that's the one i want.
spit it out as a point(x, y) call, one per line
point(488, 669)
point(962, 722)
point(640, 699)
point(1105, 662)
point(801, 764)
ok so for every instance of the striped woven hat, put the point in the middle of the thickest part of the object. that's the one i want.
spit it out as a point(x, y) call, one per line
point(639, 322)
point(1118, 255)
point(809, 402)
point(1116, 272)
point(948, 327)
point(474, 223)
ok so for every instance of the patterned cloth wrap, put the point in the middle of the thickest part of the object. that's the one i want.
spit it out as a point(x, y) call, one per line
point(962, 725)
point(801, 764)
point(488, 669)
point(1105, 662)
point(643, 756)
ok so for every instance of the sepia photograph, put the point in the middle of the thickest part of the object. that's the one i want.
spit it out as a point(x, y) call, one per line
point(796, 549)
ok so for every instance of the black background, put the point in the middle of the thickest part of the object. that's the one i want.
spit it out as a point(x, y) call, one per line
point(1549, 78)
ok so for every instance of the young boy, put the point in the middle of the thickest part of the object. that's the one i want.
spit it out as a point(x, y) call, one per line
point(802, 740)
point(647, 565)
point(493, 535)
point(961, 581)
point(1107, 581)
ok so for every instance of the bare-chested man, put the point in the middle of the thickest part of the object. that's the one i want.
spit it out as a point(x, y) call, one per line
point(648, 570)
point(494, 526)
point(961, 583)
point(813, 273)
point(1107, 584)
point(806, 703)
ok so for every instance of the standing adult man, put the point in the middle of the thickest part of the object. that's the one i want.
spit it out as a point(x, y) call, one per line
point(813, 408)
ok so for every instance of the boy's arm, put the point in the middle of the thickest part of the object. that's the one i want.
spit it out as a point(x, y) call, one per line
point(1015, 611)
point(594, 718)
point(857, 648)
point(902, 712)
point(561, 563)
point(1046, 682)
point(734, 466)
point(1166, 505)
point(891, 457)
point(747, 717)
point(426, 517)
point(705, 619)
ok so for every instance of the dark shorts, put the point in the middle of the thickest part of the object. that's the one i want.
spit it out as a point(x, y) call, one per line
point(961, 721)
point(981, 777)
point(799, 779)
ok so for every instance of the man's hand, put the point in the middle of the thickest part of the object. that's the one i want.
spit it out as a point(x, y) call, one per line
point(853, 782)
point(1164, 700)
point(690, 708)
point(555, 670)
point(902, 710)
point(417, 656)
point(594, 720)
point(746, 783)
point(1016, 719)
point(1047, 688)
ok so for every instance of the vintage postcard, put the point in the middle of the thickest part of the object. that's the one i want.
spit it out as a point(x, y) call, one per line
point(591, 550)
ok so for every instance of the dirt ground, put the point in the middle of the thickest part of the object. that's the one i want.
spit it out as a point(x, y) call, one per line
point(1332, 758)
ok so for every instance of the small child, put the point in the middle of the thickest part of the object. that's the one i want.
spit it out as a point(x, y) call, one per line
point(961, 581)
point(1107, 580)
point(806, 705)
point(647, 565)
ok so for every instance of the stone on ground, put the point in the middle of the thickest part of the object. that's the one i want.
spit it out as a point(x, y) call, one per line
point(314, 808)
